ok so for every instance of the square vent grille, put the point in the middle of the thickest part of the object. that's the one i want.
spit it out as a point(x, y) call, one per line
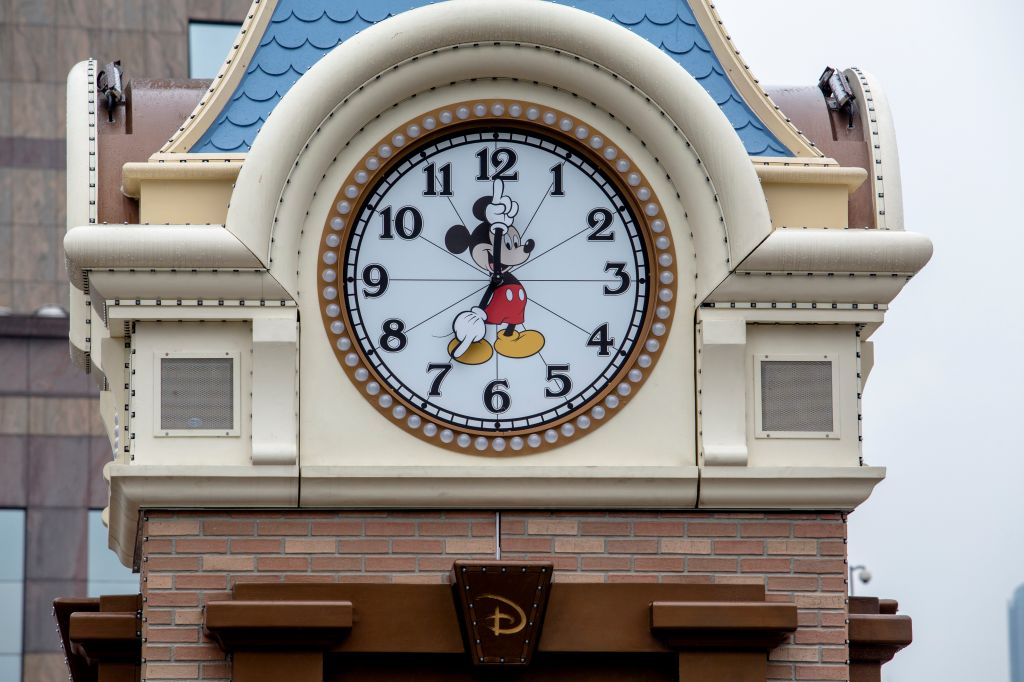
point(797, 396)
point(197, 394)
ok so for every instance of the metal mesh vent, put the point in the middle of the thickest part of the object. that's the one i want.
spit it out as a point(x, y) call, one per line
point(796, 395)
point(196, 394)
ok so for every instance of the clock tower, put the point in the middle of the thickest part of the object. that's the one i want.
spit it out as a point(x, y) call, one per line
point(501, 334)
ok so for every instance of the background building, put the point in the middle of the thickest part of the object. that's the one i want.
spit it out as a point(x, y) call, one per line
point(51, 444)
point(1017, 636)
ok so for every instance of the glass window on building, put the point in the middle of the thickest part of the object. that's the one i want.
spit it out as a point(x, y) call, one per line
point(208, 44)
point(12, 581)
point(106, 574)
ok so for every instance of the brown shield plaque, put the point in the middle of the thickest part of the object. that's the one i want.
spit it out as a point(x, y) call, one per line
point(501, 604)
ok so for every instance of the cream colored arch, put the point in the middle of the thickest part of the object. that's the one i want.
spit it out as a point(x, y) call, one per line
point(403, 62)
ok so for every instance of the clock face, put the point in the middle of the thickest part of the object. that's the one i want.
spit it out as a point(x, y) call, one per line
point(494, 283)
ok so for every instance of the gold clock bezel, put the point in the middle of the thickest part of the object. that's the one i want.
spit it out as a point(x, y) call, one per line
point(589, 143)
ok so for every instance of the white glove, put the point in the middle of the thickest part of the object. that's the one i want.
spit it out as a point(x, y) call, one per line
point(502, 209)
point(469, 327)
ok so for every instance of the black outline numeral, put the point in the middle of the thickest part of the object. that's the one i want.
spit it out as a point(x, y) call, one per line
point(620, 272)
point(431, 172)
point(380, 283)
point(442, 370)
point(503, 159)
point(393, 329)
point(600, 339)
point(558, 373)
point(600, 220)
point(493, 391)
point(389, 226)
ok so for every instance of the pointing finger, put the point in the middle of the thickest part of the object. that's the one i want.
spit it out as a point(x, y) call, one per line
point(497, 191)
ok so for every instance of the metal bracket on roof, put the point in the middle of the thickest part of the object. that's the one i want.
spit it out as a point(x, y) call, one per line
point(838, 93)
point(109, 85)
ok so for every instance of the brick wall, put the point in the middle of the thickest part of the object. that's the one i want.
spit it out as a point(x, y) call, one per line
point(192, 557)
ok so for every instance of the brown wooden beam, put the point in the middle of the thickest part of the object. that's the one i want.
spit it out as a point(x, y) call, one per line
point(876, 634)
point(257, 624)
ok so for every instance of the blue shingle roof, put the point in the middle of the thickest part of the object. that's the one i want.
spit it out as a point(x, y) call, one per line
point(303, 31)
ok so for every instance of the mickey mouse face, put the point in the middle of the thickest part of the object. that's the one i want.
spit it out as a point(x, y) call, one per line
point(481, 245)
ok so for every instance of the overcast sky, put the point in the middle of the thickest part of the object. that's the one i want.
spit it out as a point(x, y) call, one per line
point(944, 533)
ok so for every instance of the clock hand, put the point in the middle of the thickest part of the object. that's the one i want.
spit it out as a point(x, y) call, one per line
point(496, 276)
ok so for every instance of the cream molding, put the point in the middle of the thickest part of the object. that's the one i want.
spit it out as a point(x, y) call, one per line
point(134, 175)
point(812, 175)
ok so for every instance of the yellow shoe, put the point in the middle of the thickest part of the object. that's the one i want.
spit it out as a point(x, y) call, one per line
point(520, 344)
point(477, 354)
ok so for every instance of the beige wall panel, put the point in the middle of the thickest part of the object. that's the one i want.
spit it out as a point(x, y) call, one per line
point(184, 201)
point(809, 342)
point(807, 205)
point(152, 339)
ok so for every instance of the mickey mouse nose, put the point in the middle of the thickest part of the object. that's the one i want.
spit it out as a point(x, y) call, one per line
point(528, 246)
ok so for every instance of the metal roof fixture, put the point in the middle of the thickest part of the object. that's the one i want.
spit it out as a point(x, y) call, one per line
point(110, 87)
point(838, 93)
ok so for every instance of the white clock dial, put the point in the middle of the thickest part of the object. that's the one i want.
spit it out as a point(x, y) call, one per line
point(477, 345)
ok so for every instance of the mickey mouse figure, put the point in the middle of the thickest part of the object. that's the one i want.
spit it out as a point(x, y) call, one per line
point(495, 245)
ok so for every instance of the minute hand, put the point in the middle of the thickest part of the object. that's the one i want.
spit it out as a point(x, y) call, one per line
point(496, 276)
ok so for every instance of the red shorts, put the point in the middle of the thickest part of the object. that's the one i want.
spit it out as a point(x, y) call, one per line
point(507, 306)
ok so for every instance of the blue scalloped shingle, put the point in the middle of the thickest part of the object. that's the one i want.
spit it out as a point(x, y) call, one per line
point(301, 32)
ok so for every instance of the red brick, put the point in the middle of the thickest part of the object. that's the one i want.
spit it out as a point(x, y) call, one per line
point(390, 563)
point(605, 563)
point(389, 528)
point(172, 634)
point(376, 546)
point(721, 530)
point(604, 528)
point(160, 546)
point(229, 528)
point(474, 546)
point(482, 529)
point(307, 578)
point(834, 583)
point(658, 563)
point(822, 672)
point(435, 563)
point(832, 548)
point(684, 546)
point(156, 653)
point(791, 547)
point(819, 566)
point(160, 616)
point(337, 528)
point(833, 620)
point(337, 563)
point(766, 530)
point(834, 654)
point(200, 546)
point(688, 579)
point(283, 563)
point(551, 527)
point(173, 563)
point(310, 546)
point(188, 617)
point(819, 530)
point(201, 581)
point(658, 528)
point(216, 671)
point(579, 545)
point(527, 544)
point(202, 652)
point(793, 583)
point(777, 671)
point(170, 671)
point(632, 578)
point(709, 564)
point(178, 527)
point(765, 565)
point(443, 528)
point(228, 563)
point(256, 545)
point(510, 526)
point(417, 546)
point(739, 547)
point(631, 546)
point(173, 598)
point(284, 528)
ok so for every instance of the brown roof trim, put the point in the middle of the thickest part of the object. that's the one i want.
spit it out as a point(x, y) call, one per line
point(876, 634)
point(102, 638)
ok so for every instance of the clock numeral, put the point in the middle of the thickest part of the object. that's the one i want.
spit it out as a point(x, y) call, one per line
point(407, 222)
point(393, 339)
point(557, 373)
point(503, 159)
point(600, 339)
point(442, 370)
point(375, 277)
point(600, 221)
point(619, 270)
point(557, 190)
point(495, 399)
point(446, 180)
